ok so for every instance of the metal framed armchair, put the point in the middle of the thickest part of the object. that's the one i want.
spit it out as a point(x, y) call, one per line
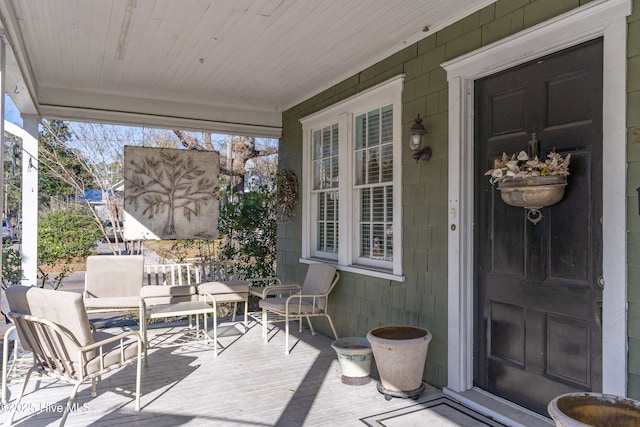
point(309, 300)
point(113, 282)
point(54, 326)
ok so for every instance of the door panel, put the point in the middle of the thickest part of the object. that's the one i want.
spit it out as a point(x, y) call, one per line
point(536, 295)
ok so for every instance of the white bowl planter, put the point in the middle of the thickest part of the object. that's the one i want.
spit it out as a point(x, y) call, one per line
point(354, 356)
point(594, 409)
point(400, 353)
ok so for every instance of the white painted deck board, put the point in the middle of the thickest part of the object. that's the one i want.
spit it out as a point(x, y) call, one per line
point(249, 384)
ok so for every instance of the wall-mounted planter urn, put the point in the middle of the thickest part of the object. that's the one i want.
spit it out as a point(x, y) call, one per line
point(533, 193)
point(400, 353)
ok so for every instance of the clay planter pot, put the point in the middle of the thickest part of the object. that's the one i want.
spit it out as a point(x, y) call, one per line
point(354, 356)
point(400, 353)
point(594, 409)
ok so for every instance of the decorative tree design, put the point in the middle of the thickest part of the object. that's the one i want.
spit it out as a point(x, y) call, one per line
point(168, 182)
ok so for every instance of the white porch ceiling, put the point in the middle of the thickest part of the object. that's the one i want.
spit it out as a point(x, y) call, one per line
point(228, 66)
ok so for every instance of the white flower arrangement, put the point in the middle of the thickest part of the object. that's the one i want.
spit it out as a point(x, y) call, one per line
point(521, 166)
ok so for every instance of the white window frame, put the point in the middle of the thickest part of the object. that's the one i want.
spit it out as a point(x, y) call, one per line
point(343, 113)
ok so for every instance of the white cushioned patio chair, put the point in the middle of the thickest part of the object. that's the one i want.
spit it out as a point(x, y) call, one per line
point(54, 326)
point(310, 300)
point(113, 282)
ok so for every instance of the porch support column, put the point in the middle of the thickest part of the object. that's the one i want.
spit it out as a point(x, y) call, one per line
point(30, 199)
point(3, 89)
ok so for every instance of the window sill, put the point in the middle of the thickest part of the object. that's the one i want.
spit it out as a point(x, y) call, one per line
point(357, 269)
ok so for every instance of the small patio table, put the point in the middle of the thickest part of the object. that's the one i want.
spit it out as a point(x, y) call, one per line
point(185, 308)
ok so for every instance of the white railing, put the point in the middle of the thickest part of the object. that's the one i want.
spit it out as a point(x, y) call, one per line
point(171, 274)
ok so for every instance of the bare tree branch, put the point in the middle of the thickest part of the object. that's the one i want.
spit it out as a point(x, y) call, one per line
point(188, 141)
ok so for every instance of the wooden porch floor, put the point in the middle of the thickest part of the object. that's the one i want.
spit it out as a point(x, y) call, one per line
point(248, 384)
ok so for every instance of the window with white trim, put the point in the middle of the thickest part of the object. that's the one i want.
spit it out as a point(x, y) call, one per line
point(352, 183)
point(325, 190)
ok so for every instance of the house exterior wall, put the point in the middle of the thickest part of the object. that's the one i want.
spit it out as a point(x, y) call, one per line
point(633, 211)
point(361, 303)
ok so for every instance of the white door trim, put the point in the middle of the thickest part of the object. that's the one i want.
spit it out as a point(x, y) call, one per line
point(600, 18)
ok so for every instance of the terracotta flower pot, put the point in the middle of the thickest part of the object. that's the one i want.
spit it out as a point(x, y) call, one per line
point(400, 353)
point(594, 409)
point(354, 356)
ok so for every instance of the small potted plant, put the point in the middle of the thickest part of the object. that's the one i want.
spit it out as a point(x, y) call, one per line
point(529, 182)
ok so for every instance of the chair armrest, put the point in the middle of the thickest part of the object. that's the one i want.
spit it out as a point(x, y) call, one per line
point(300, 297)
point(266, 279)
point(119, 337)
point(276, 290)
point(99, 346)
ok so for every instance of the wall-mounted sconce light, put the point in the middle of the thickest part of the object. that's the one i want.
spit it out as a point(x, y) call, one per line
point(416, 133)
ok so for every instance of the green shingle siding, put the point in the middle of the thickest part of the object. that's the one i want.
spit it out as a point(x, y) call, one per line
point(361, 303)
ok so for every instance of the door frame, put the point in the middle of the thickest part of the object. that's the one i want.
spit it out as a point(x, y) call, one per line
point(600, 18)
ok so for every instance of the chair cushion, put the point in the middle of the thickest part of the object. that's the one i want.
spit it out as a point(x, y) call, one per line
point(278, 305)
point(123, 303)
point(318, 279)
point(160, 294)
point(60, 307)
point(226, 287)
point(114, 275)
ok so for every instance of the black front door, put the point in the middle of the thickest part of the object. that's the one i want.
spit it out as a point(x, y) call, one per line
point(537, 296)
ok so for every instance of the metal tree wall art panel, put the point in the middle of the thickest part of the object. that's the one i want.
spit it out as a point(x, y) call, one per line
point(170, 193)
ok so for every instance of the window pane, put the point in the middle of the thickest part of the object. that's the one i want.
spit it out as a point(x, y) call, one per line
point(378, 241)
point(317, 145)
point(331, 213)
point(331, 234)
point(387, 163)
point(373, 129)
point(378, 204)
point(361, 124)
point(334, 140)
point(389, 201)
point(389, 246)
point(321, 207)
point(387, 124)
point(326, 142)
point(334, 172)
point(316, 174)
point(365, 241)
point(373, 166)
point(321, 237)
point(361, 175)
point(365, 205)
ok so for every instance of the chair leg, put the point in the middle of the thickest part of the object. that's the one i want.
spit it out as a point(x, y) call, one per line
point(143, 328)
point(72, 397)
point(286, 336)
point(5, 360)
point(17, 402)
point(313, 332)
point(246, 313)
point(235, 311)
point(138, 376)
point(264, 325)
point(94, 392)
point(331, 324)
point(215, 329)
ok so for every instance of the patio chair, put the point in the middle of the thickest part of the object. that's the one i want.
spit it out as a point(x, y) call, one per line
point(113, 282)
point(310, 300)
point(54, 326)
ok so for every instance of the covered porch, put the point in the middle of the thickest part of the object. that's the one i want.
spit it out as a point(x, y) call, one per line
point(249, 383)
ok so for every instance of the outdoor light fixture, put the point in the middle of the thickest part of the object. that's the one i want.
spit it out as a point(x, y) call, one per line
point(415, 141)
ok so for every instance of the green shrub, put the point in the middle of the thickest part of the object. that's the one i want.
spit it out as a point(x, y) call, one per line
point(12, 272)
point(248, 229)
point(65, 235)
